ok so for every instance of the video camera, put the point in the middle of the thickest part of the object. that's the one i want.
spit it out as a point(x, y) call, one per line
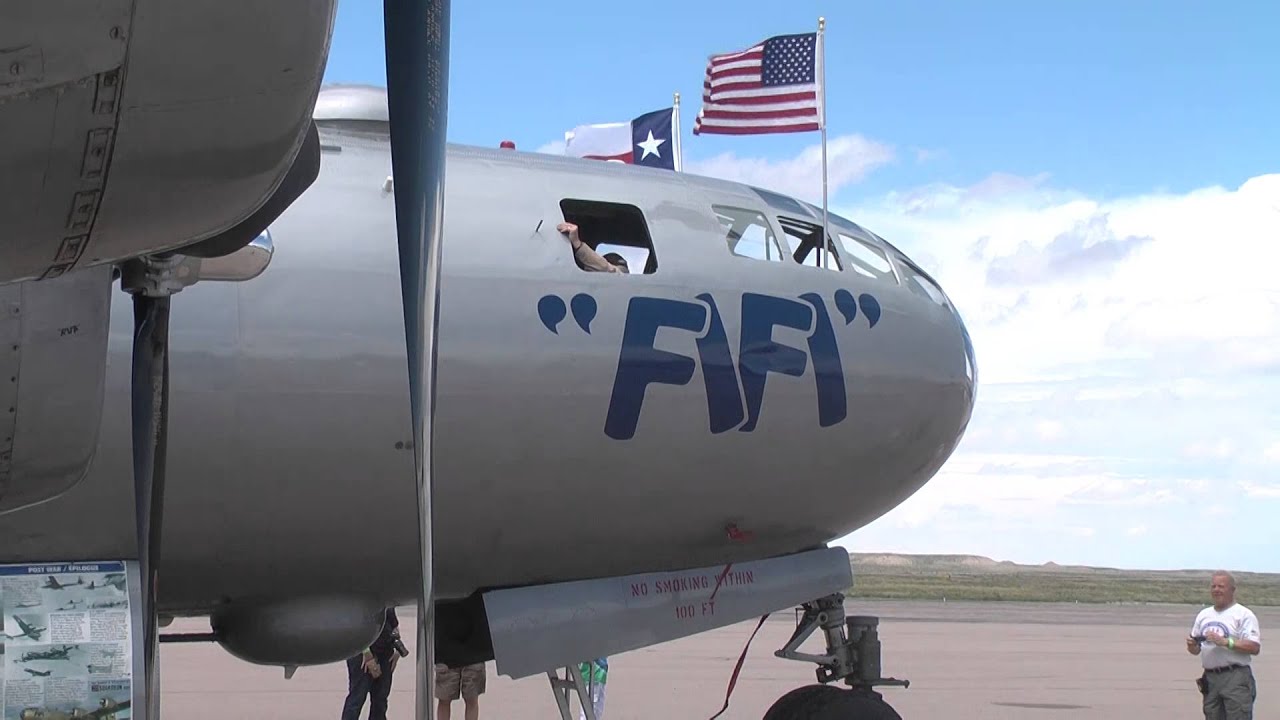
point(398, 644)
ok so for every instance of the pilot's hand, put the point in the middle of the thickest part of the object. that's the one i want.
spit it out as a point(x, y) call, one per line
point(1192, 643)
point(1215, 637)
point(571, 230)
point(371, 666)
point(395, 658)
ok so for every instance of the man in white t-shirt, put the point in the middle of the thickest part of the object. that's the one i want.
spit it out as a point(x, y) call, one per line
point(1226, 637)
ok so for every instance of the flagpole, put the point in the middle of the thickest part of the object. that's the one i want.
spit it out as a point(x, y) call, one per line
point(822, 122)
point(678, 142)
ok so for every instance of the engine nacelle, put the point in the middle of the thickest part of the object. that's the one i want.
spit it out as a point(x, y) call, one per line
point(53, 346)
point(134, 126)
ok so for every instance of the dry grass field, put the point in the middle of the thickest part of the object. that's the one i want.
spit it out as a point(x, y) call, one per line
point(971, 577)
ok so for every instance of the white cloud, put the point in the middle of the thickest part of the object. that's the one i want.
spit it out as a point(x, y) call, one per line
point(1022, 486)
point(1261, 491)
point(1129, 360)
point(849, 159)
point(924, 155)
point(555, 147)
point(1195, 486)
point(1049, 280)
point(1135, 339)
point(1221, 449)
point(1049, 429)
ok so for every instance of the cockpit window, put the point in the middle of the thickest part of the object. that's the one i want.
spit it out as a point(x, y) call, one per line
point(866, 259)
point(804, 242)
point(781, 202)
point(920, 283)
point(748, 233)
point(834, 219)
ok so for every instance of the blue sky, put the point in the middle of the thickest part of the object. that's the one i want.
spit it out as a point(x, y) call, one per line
point(1108, 97)
point(1095, 185)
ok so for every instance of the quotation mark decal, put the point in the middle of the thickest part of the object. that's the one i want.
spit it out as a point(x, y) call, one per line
point(551, 311)
point(849, 308)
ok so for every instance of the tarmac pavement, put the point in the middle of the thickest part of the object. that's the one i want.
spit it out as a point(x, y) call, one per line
point(1028, 661)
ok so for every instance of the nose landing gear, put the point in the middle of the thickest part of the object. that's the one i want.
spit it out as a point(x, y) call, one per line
point(852, 656)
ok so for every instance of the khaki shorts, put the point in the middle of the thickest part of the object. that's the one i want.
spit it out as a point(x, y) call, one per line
point(466, 682)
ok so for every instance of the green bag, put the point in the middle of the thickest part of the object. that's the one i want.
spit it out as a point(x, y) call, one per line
point(595, 672)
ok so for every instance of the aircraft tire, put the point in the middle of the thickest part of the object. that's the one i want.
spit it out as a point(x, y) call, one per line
point(827, 702)
point(789, 706)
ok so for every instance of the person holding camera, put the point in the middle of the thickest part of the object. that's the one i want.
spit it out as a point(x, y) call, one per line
point(1226, 637)
point(369, 673)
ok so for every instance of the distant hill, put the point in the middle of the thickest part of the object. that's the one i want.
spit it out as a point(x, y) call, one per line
point(973, 577)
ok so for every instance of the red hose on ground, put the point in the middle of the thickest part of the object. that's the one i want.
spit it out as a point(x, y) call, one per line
point(733, 679)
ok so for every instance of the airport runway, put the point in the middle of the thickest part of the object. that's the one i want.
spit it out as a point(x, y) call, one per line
point(1027, 661)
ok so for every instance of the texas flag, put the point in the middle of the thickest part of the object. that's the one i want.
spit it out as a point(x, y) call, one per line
point(646, 140)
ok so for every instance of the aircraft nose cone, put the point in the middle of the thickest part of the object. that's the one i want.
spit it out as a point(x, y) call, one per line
point(971, 360)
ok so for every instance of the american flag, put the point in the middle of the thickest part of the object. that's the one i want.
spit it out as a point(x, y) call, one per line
point(771, 87)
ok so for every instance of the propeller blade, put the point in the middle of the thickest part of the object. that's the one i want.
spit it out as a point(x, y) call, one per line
point(150, 435)
point(417, 55)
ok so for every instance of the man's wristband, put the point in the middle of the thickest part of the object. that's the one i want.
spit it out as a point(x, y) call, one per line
point(1231, 643)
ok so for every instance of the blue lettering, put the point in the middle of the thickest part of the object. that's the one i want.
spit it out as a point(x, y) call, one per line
point(724, 399)
point(759, 355)
point(735, 390)
point(640, 363)
point(828, 372)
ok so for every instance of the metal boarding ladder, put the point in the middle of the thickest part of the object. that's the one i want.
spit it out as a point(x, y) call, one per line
point(561, 687)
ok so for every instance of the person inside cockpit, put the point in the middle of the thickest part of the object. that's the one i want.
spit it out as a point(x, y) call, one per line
point(591, 260)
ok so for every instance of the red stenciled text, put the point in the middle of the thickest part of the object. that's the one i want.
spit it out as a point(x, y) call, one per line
point(692, 583)
point(686, 611)
point(738, 577)
point(682, 584)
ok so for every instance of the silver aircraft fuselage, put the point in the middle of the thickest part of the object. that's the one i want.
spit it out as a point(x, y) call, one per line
point(587, 424)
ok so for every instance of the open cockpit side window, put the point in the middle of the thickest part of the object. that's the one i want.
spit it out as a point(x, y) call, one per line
point(748, 234)
point(613, 228)
point(804, 242)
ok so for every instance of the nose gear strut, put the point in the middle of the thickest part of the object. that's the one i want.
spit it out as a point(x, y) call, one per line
point(852, 657)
